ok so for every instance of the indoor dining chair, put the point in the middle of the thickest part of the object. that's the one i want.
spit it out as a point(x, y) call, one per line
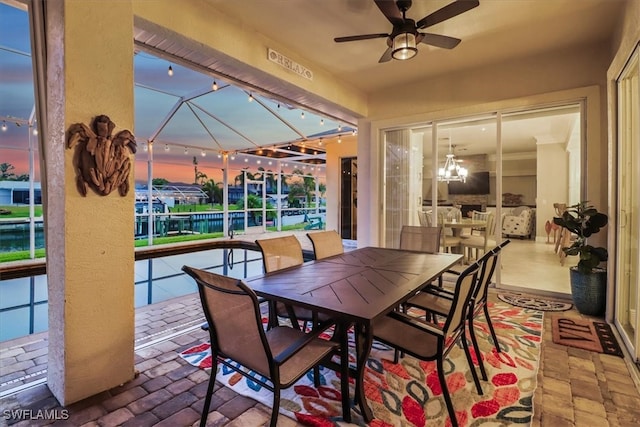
point(429, 341)
point(282, 354)
point(326, 244)
point(478, 244)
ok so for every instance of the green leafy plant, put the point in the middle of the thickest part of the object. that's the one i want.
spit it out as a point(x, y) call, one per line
point(584, 220)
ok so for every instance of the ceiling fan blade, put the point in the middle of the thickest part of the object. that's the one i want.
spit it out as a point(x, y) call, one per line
point(386, 56)
point(448, 11)
point(390, 10)
point(437, 40)
point(360, 37)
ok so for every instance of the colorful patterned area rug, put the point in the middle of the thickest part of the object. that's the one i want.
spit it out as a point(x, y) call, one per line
point(409, 393)
point(534, 303)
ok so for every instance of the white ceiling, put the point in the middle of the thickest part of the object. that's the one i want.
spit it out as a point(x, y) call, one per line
point(495, 31)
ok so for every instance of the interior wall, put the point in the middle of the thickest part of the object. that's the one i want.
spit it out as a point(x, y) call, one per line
point(552, 187)
point(555, 77)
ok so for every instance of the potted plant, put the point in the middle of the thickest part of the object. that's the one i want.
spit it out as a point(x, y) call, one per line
point(588, 279)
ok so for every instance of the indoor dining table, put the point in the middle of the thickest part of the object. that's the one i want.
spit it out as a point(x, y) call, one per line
point(355, 288)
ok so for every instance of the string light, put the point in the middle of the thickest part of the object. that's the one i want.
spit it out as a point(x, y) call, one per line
point(145, 147)
point(339, 139)
point(35, 131)
point(302, 115)
point(250, 97)
point(320, 142)
point(166, 147)
point(214, 86)
point(186, 150)
point(321, 122)
point(203, 153)
point(4, 126)
point(170, 71)
point(339, 126)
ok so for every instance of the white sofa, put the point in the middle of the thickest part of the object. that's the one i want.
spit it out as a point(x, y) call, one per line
point(520, 222)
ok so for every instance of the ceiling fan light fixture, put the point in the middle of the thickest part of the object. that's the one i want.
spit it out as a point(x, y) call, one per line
point(404, 46)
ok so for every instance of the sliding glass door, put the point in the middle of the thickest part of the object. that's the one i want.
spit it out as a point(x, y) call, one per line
point(517, 166)
point(628, 224)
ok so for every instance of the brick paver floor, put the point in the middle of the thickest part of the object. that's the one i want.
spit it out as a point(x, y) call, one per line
point(575, 387)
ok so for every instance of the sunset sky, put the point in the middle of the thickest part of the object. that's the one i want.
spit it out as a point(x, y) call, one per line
point(196, 127)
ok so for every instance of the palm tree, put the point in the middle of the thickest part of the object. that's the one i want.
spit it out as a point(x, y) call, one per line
point(308, 184)
point(213, 190)
point(239, 179)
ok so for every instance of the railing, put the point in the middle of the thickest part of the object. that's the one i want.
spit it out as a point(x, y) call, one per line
point(234, 257)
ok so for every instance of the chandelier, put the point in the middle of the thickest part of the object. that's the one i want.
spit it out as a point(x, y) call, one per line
point(452, 171)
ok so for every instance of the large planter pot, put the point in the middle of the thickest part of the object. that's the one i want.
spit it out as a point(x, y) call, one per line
point(589, 291)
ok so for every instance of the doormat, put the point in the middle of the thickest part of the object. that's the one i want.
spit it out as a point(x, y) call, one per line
point(585, 334)
point(534, 303)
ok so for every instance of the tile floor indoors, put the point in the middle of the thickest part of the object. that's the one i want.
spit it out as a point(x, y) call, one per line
point(575, 387)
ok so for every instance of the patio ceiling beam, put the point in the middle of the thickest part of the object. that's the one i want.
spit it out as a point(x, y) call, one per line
point(195, 94)
point(225, 124)
point(279, 117)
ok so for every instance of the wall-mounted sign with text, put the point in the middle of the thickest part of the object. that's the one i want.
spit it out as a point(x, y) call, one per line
point(289, 64)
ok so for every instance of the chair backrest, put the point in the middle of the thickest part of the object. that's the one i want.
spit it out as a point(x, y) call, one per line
point(326, 243)
point(479, 216)
point(491, 224)
point(521, 210)
point(421, 239)
point(280, 252)
point(423, 218)
point(488, 264)
point(235, 324)
point(465, 286)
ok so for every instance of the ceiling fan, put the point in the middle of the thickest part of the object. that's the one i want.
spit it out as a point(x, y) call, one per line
point(405, 34)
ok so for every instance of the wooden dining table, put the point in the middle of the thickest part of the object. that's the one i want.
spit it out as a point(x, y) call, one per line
point(355, 288)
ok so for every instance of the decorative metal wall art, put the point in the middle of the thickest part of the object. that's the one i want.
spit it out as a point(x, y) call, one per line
point(102, 162)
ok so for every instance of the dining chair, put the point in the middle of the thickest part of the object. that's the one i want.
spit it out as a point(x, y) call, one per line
point(448, 241)
point(479, 244)
point(438, 301)
point(326, 243)
point(279, 253)
point(424, 218)
point(430, 341)
point(282, 354)
point(421, 239)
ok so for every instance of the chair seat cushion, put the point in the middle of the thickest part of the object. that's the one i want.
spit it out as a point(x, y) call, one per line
point(281, 337)
point(404, 337)
point(431, 303)
point(478, 242)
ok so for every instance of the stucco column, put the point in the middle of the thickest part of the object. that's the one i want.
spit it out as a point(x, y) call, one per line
point(90, 252)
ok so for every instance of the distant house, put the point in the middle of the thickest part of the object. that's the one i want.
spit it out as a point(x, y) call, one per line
point(13, 193)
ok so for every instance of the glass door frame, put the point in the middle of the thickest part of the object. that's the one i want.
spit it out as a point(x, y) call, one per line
point(497, 115)
point(631, 339)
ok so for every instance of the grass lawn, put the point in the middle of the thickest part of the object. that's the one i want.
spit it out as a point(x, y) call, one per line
point(20, 211)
